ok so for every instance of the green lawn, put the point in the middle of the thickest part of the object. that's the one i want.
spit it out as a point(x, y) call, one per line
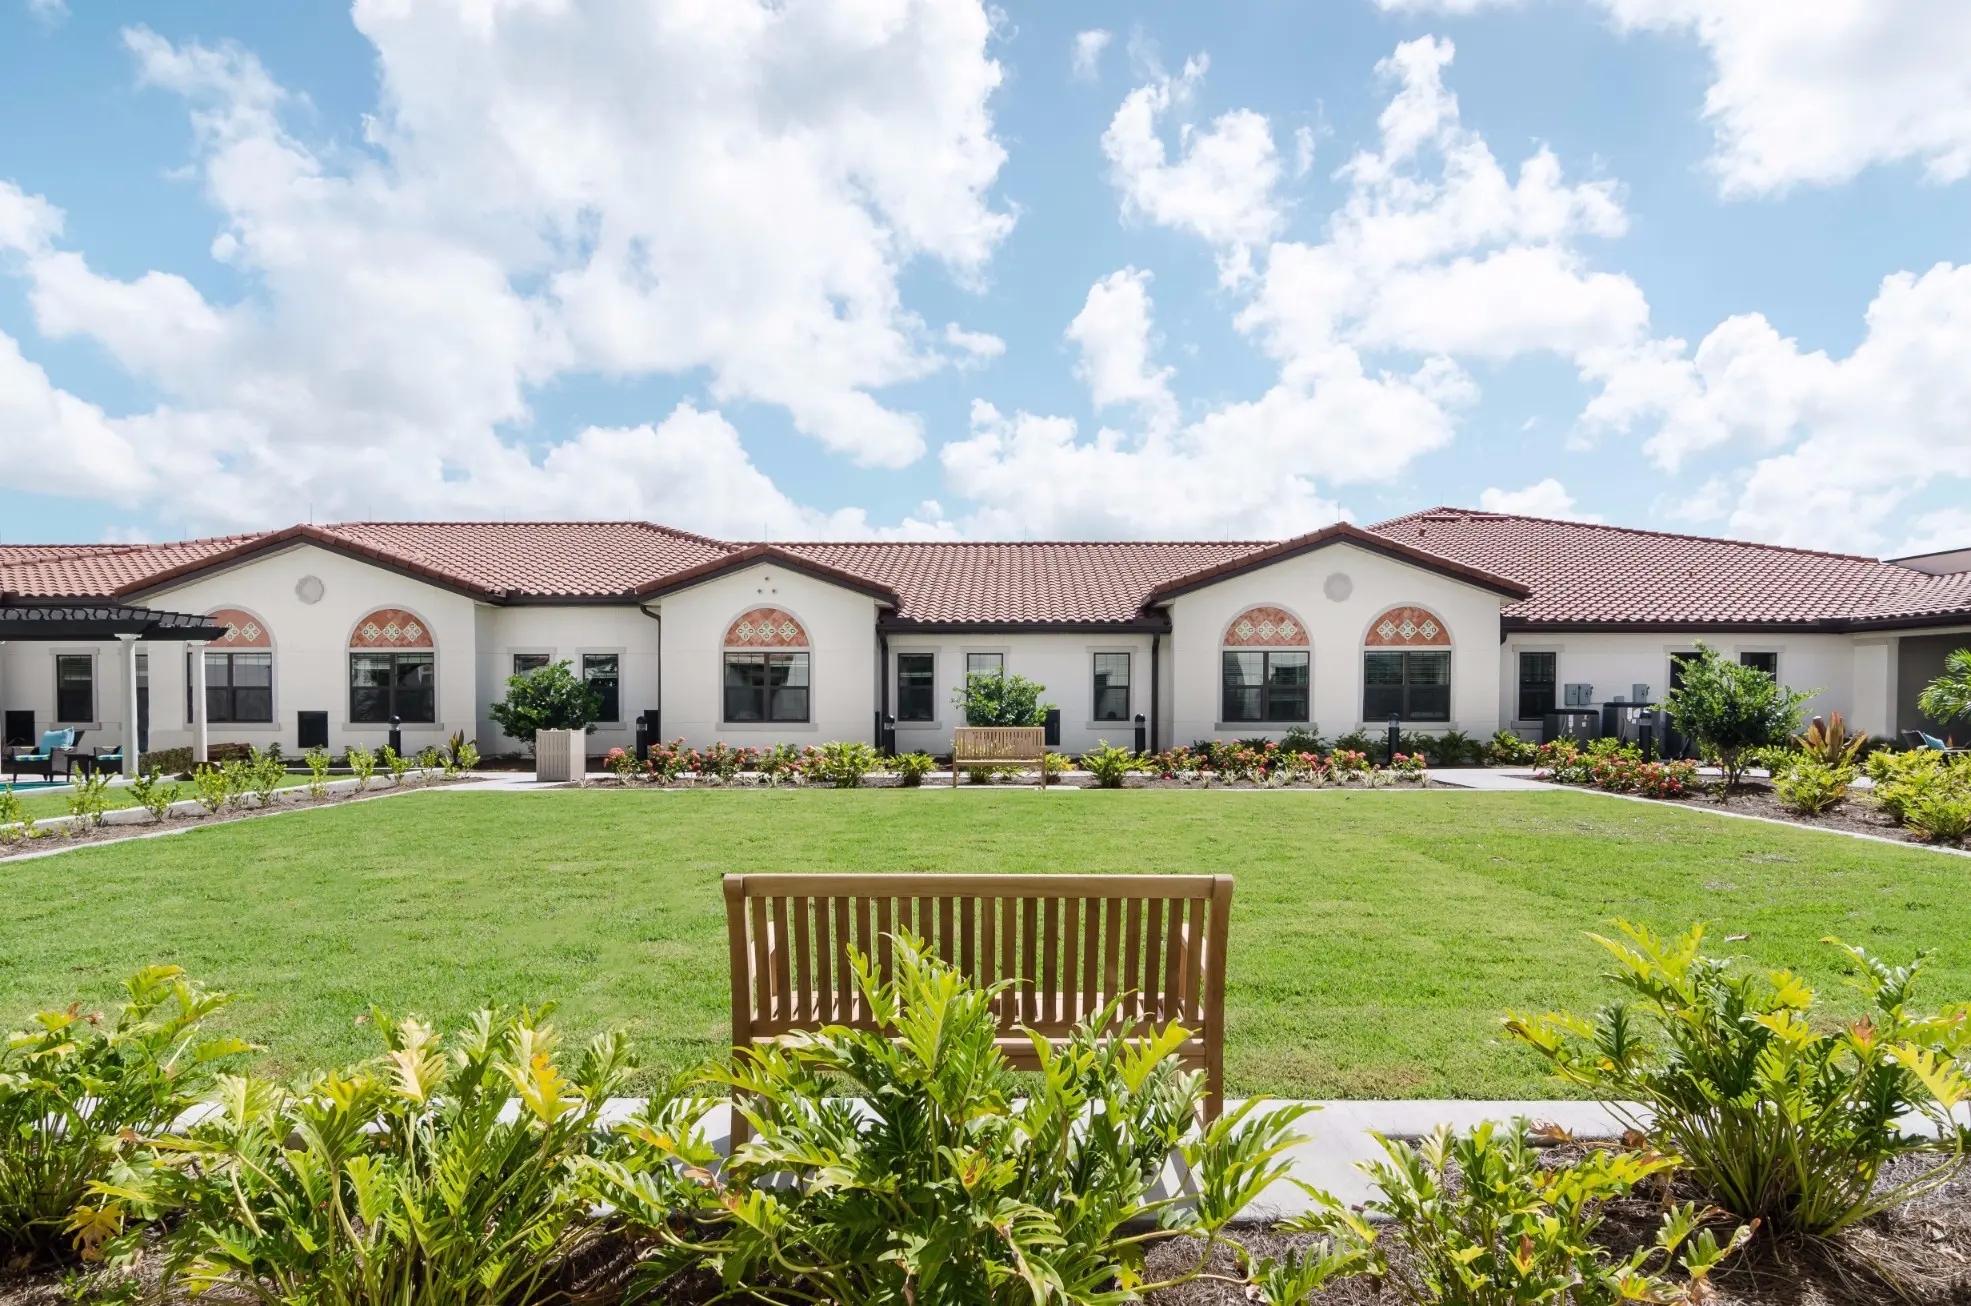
point(1375, 936)
point(39, 805)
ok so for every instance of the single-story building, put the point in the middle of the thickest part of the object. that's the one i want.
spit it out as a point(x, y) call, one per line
point(1447, 619)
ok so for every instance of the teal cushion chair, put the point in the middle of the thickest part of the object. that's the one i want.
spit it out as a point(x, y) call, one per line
point(42, 761)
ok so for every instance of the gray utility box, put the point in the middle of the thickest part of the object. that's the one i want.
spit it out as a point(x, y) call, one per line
point(1583, 725)
point(560, 755)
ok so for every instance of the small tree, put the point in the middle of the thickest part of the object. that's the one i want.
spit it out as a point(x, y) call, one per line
point(993, 698)
point(1948, 697)
point(1731, 709)
point(547, 698)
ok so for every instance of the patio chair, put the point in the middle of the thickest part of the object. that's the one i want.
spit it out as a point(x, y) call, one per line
point(1917, 739)
point(41, 761)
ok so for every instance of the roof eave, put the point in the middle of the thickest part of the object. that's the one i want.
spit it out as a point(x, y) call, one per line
point(1142, 625)
point(1339, 533)
point(315, 535)
point(714, 568)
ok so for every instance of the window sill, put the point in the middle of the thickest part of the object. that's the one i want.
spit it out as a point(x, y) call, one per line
point(771, 727)
point(1263, 727)
point(384, 728)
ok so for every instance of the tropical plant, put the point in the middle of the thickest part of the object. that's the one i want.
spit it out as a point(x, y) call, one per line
point(1108, 764)
point(210, 787)
point(1940, 817)
point(88, 799)
point(1452, 748)
point(1486, 1223)
point(843, 763)
point(1055, 764)
point(547, 698)
point(1508, 749)
point(1728, 708)
point(993, 698)
point(1779, 1117)
point(457, 751)
point(1811, 786)
point(318, 771)
point(1948, 697)
point(911, 768)
point(76, 1089)
point(1830, 742)
point(362, 765)
point(403, 1180)
point(397, 764)
point(959, 1183)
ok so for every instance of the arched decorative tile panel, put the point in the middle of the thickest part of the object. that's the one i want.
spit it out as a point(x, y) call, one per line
point(1266, 627)
point(1408, 627)
point(390, 628)
point(766, 628)
point(243, 630)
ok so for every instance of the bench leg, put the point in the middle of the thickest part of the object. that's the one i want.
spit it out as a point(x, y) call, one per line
point(1214, 1101)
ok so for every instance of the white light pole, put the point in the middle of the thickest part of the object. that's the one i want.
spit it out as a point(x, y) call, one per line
point(199, 736)
point(130, 759)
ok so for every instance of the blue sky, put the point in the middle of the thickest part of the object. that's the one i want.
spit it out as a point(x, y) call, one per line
point(911, 267)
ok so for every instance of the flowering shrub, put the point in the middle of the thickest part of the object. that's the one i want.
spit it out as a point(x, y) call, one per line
point(622, 762)
point(667, 761)
point(786, 764)
point(1345, 762)
point(1606, 764)
point(1408, 766)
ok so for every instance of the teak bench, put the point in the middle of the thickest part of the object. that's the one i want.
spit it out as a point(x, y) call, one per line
point(999, 746)
point(1069, 943)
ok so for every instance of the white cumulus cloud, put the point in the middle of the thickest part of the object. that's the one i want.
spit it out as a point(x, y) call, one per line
point(1545, 498)
point(1086, 58)
point(1115, 336)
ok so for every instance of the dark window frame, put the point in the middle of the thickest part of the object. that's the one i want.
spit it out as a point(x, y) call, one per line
point(998, 670)
point(1538, 697)
point(1407, 688)
point(927, 691)
point(1270, 694)
point(66, 688)
point(771, 696)
point(222, 696)
point(535, 662)
point(402, 698)
point(611, 710)
point(1104, 685)
point(1745, 659)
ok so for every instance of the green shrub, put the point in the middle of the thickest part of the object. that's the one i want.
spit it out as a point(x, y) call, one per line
point(843, 763)
point(1361, 741)
point(1109, 765)
point(318, 771)
point(210, 787)
point(1303, 739)
point(397, 764)
point(1811, 787)
point(1508, 749)
point(1452, 748)
point(1948, 697)
point(993, 698)
point(267, 773)
point(962, 1183)
point(170, 761)
point(1941, 817)
point(75, 1090)
point(547, 698)
point(1906, 780)
point(89, 799)
point(1055, 764)
point(237, 775)
point(400, 1180)
point(362, 764)
point(11, 810)
point(911, 768)
point(1779, 1116)
point(1485, 1222)
point(622, 762)
point(153, 795)
point(1728, 708)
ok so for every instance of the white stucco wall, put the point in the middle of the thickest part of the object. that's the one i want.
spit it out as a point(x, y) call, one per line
point(311, 647)
point(1616, 662)
point(1063, 662)
point(1337, 629)
point(841, 626)
point(564, 632)
point(27, 684)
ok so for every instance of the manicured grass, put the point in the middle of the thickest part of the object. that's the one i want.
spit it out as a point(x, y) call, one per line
point(39, 805)
point(1375, 938)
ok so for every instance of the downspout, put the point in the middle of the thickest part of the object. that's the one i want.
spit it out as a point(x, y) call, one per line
point(882, 678)
point(657, 617)
point(1156, 642)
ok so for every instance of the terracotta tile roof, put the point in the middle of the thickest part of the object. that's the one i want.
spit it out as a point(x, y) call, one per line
point(1580, 572)
point(1930, 596)
point(100, 570)
point(1041, 582)
point(537, 559)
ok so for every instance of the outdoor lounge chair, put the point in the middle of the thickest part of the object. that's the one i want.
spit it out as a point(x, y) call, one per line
point(41, 762)
point(1917, 739)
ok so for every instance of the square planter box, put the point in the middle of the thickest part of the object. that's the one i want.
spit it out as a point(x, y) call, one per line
point(560, 755)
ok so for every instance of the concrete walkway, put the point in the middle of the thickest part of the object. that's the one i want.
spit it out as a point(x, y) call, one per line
point(1492, 779)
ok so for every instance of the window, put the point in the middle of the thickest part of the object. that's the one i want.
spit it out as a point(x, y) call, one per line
point(1408, 686)
point(75, 687)
point(1266, 685)
point(917, 687)
point(1538, 675)
point(238, 687)
point(523, 663)
point(984, 664)
point(1677, 661)
point(385, 685)
point(600, 671)
point(766, 687)
point(1112, 686)
point(1766, 662)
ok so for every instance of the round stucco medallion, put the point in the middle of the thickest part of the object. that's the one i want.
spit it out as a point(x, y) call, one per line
point(309, 589)
point(1338, 586)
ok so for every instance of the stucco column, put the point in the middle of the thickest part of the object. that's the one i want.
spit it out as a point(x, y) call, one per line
point(199, 737)
point(129, 643)
point(1875, 688)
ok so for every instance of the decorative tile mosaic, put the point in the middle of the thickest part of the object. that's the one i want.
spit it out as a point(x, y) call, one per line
point(390, 628)
point(1266, 628)
point(766, 628)
point(1408, 628)
point(243, 629)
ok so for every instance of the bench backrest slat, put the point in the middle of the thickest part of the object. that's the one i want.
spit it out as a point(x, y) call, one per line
point(998, 743)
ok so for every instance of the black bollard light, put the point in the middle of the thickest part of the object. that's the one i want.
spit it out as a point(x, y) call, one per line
point(1142, 733)
point(397, 735)
point(1395, 737)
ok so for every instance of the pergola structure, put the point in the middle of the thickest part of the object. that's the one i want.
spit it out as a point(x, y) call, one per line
point(55, 621)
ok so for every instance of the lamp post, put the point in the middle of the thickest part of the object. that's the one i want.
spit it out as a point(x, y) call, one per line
point(200, 736)
point(130, 758)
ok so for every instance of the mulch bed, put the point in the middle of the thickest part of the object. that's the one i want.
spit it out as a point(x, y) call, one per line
point(1756, 798)
point(11, 845)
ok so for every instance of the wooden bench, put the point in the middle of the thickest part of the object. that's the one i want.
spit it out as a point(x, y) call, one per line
point(1069, 942)
point(999, 746)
